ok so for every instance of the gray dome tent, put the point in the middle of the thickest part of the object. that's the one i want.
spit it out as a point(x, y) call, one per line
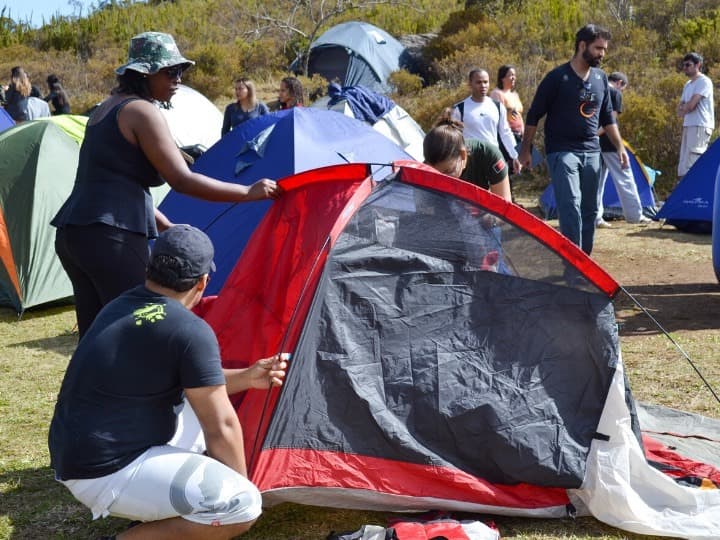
point(356, 53)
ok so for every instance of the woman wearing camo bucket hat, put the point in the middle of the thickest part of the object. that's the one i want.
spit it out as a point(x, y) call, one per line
point(152, 51)
point(104, 226)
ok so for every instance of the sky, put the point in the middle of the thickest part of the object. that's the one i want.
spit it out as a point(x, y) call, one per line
point(35, 10)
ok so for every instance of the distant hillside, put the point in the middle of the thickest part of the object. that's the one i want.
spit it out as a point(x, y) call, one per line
point(229, 38)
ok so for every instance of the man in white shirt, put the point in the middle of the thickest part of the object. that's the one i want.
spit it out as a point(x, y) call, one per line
point(697, 111)
point(484, 118)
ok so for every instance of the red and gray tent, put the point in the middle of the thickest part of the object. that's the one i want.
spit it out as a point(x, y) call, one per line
point(450, 352)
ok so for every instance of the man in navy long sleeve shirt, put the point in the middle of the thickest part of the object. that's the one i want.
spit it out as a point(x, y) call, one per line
point(575, 100)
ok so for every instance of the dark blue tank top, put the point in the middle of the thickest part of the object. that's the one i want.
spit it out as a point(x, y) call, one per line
point(112, 182)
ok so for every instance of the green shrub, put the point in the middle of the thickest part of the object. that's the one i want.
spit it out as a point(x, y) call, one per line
point(650, 125)
point(313, 87)
point(405, 83)
point(426, 105)
point(213, 71)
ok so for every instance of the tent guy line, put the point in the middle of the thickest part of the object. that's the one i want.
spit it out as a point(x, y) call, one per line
point(672, 340)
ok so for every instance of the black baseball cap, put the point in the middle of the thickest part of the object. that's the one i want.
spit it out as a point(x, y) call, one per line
point(190, 247)
point(618, 76)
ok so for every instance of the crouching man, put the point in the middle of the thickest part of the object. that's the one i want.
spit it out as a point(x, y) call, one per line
point(114, 438)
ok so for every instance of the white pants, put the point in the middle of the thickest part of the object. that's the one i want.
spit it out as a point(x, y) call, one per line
point(624, 185)
point(695, 140)
point(171, 481)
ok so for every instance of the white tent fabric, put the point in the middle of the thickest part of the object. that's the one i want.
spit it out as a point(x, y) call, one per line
point(621, 489)
point(397, 125)
point(193, 118)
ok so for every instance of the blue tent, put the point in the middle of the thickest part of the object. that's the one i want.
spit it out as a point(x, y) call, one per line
point(356, 53)
point(272, 146)
point(644, 179)
point(6, 120)
point(690, 206)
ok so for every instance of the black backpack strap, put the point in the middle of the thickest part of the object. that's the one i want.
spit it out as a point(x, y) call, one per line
point(460, 106)
point(501, 145)
point(497, 104)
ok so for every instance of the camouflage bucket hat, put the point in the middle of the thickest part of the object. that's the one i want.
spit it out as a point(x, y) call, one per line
point(151, 51)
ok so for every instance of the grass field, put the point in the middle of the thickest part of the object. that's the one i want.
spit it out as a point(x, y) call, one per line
point(34, 352)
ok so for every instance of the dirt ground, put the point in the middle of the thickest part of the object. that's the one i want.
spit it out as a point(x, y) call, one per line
point(670, 274)
point(668, 271)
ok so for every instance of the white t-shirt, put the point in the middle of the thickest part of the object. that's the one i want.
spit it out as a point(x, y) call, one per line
point(481, 120)
point(704, 114)
point(37, 108)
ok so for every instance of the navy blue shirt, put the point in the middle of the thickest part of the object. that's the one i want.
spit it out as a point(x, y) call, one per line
point(235, 115)
point(122, 388)
point(16, 104)
point(574, 109)
point(616, 101)
point(112, 182)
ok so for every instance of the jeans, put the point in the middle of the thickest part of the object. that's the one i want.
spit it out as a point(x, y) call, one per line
point(575, 177)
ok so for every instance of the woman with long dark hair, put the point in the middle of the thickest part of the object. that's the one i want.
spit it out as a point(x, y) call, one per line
point(290, 93)
point(57, 95)
point(506, 94)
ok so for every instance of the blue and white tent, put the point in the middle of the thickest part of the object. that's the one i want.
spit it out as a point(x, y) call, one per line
point(690, 206)
point(273, 146)
point(6, 120)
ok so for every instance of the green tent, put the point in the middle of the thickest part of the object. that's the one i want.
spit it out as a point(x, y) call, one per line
point(72, 124)
point(38, 161)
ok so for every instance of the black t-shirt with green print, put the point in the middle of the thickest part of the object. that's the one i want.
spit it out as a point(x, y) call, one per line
point(124, 384)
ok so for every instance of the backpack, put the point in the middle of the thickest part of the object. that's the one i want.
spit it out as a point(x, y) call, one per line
point(460, 106)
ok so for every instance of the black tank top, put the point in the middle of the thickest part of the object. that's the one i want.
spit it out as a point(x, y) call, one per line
point(112, 182)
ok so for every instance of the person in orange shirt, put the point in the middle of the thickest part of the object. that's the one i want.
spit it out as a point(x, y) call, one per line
point(506, 94)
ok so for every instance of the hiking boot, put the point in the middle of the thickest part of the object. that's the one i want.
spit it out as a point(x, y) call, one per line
point(602, 224)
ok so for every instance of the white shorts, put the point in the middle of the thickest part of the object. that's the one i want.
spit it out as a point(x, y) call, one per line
point(168, 481)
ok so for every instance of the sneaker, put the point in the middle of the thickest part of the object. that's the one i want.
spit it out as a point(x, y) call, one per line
point(644, 220)
point(602, 224)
